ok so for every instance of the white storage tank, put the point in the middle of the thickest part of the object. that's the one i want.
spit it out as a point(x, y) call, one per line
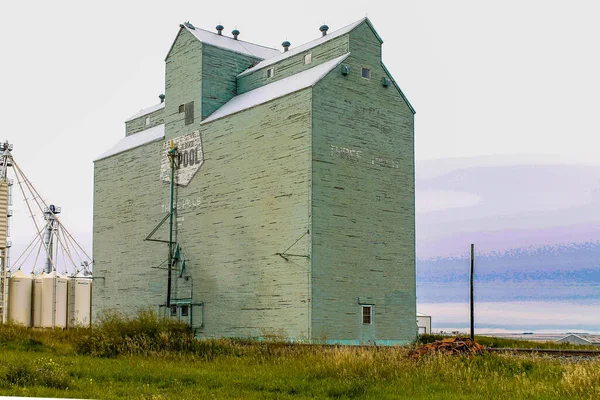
point(82, 302)
point(54, 300)
point(37, 302)
point(19, 298)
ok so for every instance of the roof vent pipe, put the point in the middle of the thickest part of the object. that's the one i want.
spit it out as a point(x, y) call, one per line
point(161, 97)
point(235, 34)
point(220, 29)
point(324, 28)
point(286, 46)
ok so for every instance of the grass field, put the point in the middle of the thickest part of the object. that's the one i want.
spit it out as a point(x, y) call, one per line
point(144, 358)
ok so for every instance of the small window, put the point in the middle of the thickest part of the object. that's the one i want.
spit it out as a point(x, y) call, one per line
point(147, 121)
point(307, 59)
point(270, 72)
point(181, 108)
point(185, 310)
point(367, 315)
point(189, 113)
point(366, 73)
point(173, 311)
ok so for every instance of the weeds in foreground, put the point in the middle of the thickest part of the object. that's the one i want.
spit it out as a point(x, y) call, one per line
point(146, 357)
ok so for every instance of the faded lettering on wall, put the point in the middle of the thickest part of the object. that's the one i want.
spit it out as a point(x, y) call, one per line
point(190, 157)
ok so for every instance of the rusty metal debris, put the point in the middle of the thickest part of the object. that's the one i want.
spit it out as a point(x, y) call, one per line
point(452, 346)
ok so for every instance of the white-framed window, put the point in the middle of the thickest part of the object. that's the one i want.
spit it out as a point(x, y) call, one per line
point(147, 121)
point(308, 59)
point(367, 314)
point(270, 72)
point(366, 73)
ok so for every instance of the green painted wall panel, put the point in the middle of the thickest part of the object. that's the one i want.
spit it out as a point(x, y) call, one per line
point(292, 65)
point(253, 191)
point(248, 202)
point(363, 203)
point(219, 70)
point(139, 124)
point(127, 198)
point(183, 83)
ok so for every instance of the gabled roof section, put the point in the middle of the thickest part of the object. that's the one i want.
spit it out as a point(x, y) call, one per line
point(398, 88)
point(146, 111)
point(136, 140)
point(228, 43)
point(263, 94)
point(308, 46)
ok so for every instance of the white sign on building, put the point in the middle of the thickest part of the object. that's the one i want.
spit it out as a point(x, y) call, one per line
point(190, 157)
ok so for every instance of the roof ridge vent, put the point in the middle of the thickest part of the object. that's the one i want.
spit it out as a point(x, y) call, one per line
point(189, 25)
point(286, 46)
point(235, 34)
point(220, 29)
point(324, 28)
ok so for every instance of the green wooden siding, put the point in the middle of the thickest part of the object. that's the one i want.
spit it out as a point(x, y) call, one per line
point(363, 203)
point(292, 65)
point(127, 199)
point(139, 124)
point(253, 190)
point(219, 70)
point(183, 84)
point(324, 175)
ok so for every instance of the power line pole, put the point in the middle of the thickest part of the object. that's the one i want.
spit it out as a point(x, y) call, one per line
point(472, 297)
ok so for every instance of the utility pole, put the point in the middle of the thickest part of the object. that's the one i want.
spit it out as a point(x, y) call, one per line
point(472, 297)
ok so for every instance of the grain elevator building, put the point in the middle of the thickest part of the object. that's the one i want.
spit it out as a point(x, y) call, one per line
point(294, 203)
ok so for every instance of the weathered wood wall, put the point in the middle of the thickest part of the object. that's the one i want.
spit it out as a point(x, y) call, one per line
point(363, 203)
point(292, 65)
point(329, 168)
point(139, 124)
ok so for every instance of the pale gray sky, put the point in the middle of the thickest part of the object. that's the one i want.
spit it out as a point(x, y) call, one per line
point(511, 77)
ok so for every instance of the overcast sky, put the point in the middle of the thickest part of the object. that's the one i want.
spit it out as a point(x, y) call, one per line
point(511, 77)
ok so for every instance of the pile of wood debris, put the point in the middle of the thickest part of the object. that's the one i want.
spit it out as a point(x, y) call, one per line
point(452, 346)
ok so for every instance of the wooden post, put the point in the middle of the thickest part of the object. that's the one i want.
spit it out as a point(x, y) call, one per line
point(472, 298)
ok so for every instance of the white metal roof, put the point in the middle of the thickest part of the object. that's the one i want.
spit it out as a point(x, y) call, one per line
point(145, 111)
point(592, 339)
point(228, 43)
point(302, 48)
point(276, 89)
point(136, 140)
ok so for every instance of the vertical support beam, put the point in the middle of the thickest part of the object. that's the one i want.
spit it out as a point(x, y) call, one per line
point(172, 156)
point(472, 297)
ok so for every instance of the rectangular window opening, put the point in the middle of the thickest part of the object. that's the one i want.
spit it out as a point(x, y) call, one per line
point(147, 121)
point(366, 73)
point(189, 113)
point(181, 108)
point(173, 311)
point(367, 315)
point(308, 59)
point(185, 310)
point(270, 72)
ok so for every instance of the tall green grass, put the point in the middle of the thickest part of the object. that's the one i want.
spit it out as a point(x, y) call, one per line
point(145, 357)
